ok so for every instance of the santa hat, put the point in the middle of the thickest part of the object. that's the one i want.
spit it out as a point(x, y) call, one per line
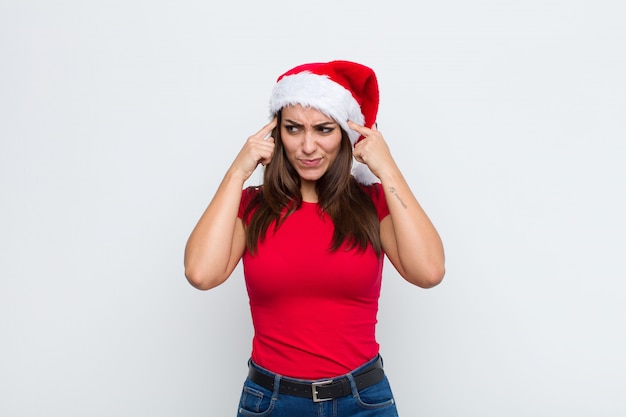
point(342, 90)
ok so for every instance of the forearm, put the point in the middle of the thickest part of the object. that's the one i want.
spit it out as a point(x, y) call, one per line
point(419, 250)
point(209, 255)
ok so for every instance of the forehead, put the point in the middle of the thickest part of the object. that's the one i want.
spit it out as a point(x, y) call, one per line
point(305, 115)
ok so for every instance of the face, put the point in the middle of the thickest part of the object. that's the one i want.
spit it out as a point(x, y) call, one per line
point(311, 141)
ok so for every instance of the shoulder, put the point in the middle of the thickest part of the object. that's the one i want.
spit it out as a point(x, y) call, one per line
point(377, 194)
point(249, 193)
point(249, 196)
point(374, 191)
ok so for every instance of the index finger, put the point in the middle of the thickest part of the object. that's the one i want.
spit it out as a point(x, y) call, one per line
point(267, 129)
point(359, 128)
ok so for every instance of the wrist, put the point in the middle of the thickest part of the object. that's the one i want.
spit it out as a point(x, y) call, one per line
point(235, 175)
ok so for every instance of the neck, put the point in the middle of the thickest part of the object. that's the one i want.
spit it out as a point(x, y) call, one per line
point(309, 194)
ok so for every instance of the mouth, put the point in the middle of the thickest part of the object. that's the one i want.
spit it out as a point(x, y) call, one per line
point(310, 162)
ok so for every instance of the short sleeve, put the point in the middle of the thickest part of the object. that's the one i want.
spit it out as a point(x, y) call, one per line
point(376, 192)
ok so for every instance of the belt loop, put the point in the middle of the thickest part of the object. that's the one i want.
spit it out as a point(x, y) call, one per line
point(276, 387)
point(352, 382)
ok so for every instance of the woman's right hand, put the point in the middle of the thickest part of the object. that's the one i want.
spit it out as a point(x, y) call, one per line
point(258, 149)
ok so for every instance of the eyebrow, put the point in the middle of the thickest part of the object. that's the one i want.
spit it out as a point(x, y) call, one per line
point(322, 124)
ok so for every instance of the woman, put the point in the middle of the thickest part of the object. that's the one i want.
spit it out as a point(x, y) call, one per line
point(312, 240)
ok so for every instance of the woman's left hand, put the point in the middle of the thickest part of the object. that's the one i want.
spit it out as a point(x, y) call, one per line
point(372, 150)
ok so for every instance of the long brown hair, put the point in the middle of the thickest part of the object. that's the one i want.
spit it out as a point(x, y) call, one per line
point(340, 196)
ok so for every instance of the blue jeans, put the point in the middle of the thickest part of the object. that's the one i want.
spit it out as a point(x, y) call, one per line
point(374, 401)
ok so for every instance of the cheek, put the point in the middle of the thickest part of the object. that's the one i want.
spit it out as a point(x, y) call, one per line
point(334, 147)
point(289, 140)
point(290, 154)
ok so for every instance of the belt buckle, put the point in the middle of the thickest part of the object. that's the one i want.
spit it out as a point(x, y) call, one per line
point(314, 386)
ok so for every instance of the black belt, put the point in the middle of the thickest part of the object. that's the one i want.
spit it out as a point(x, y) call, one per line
point(321, 390)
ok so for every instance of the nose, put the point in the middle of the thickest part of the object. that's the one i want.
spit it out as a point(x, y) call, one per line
point(309, 143)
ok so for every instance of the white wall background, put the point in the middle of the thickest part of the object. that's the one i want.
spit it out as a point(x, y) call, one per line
point(119, 118)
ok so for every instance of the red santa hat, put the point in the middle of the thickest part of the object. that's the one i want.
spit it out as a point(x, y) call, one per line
point(342, 90)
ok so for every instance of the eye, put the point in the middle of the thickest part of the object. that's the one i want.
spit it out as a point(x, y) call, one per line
point(291, 128)
point(325, 129)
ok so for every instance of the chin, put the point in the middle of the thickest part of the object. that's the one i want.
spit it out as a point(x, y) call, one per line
point(311, 176)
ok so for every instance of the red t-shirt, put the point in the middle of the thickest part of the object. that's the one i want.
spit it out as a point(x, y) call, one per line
point(313, 310)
